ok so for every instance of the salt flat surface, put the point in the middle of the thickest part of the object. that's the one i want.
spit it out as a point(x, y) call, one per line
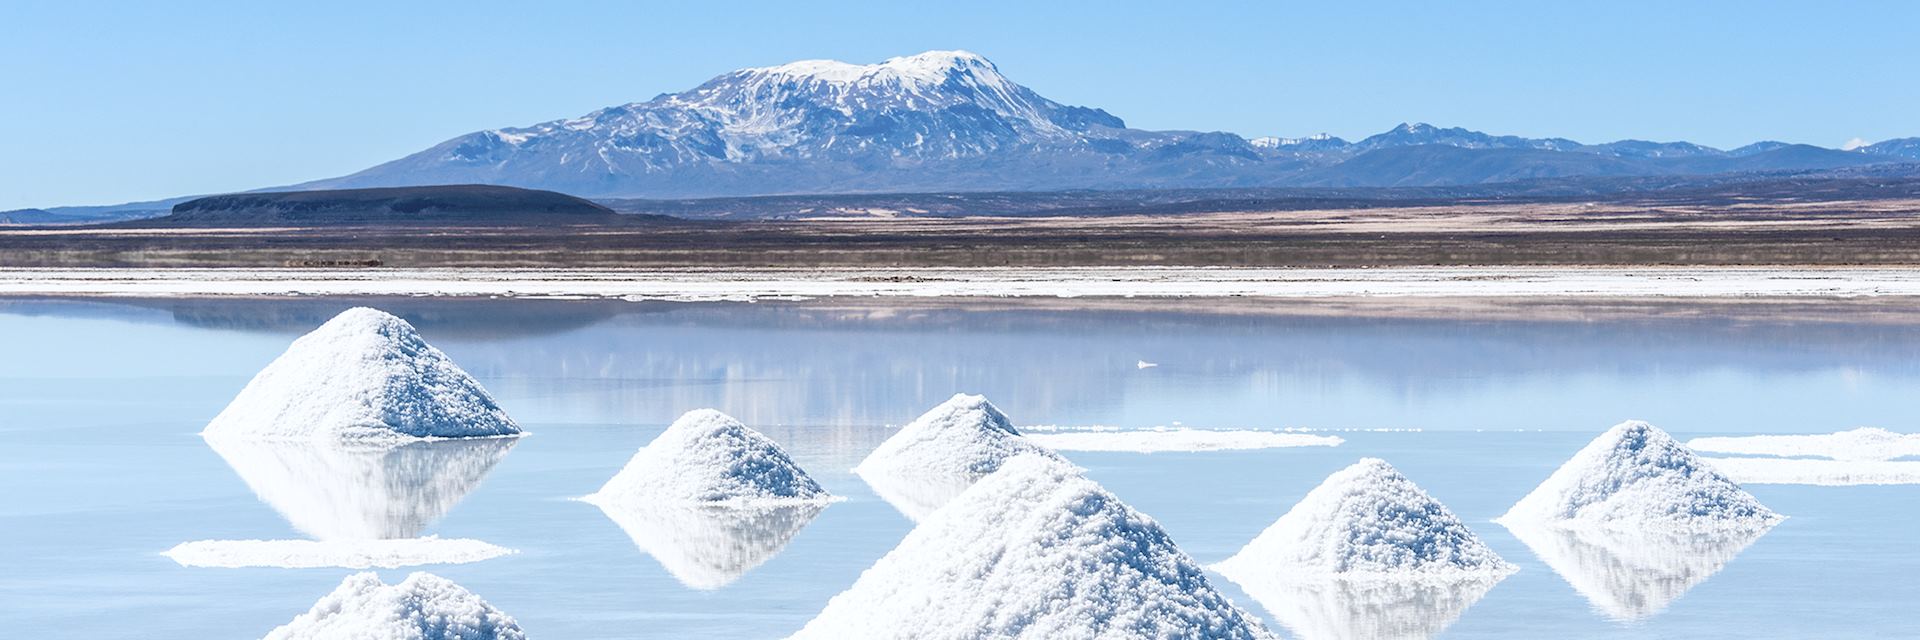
point(362, 490)
point(346, 554)
point(1342, 609)
point(1867, 443)
point(1175, 439)
point(1830, 473)
point(693, 285)
point(708, 547)
point(1633, 575)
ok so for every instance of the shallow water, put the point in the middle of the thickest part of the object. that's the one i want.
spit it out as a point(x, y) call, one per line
point(99, 403)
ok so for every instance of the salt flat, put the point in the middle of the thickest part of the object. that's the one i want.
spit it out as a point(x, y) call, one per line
point(1010, 282)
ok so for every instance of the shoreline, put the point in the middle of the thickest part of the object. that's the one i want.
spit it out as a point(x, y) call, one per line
point(695, 285)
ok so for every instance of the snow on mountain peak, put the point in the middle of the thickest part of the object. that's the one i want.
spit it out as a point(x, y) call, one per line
point(931, 67)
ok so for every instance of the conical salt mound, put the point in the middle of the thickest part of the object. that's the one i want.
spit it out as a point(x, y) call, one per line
point(1635, 476)
point(1366, 521)
point(943, 452)
point(364, 374)
point(422, 607)
point(707, 457)
point(1034, 550)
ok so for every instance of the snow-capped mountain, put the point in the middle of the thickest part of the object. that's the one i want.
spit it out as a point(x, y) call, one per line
point(941, 119)
point(1897, 147)
point(951, 121)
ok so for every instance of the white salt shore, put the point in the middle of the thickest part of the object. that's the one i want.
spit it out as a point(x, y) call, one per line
point(744, 284)
point(422, 607)
point(941, 453)
point(708, 458)
point(1366, 521)
point(1858, 444)
point(1635, 477)
point(1166, 440)
point(1827, 473)
point(1034, 550)
point(364, 375)
point(345, 554)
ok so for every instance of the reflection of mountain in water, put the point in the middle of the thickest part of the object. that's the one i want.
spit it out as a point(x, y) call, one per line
point(1341, 609)
point(1631, 575)
point(359, 491)
point(708, 547)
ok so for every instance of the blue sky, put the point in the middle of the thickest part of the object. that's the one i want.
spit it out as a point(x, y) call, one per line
point(108, 102)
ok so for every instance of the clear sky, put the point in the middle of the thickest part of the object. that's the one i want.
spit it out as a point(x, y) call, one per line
point(105, 102)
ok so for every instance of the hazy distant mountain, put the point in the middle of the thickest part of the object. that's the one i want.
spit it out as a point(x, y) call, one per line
point(1898, 147)
point(950, 121)
point(451, 205)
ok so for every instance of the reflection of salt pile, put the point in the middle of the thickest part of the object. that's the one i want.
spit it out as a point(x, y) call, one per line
point(360, 490)
point(365, 501)
point(711, 499)
point(1367, 554)
point(1367, 521)
point(943, 452)
point(1034, 551)
point(1635, 476)
point(422, 607)
point(708, 547)
point(1630, 575)
point(1342, 609)
point(363, 374)
point(1859, 444)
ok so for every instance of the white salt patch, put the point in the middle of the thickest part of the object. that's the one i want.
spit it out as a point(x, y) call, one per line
point(346, 554)
point(707, 457)
point(942, 452)
point(1859, 444)
point(364, 374)
point(1145, 365)
point(1633, 574)
point(1164, 439)
point(422, 607)
point(1342, 609)
point(1366, 521)
point(1636, 476)
point(1035, 550)
point(1832, 473)
point(359, 490)
point(709, 547)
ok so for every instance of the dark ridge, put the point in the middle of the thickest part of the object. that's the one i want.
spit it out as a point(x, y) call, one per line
point(443, 205)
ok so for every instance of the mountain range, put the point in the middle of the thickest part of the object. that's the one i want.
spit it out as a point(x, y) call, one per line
point(950, 121)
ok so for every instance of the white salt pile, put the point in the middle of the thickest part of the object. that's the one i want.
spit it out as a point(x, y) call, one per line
point(709, 547)
point(1366, 522)
point(422, 607)
point(1341, 609)
point(1634, 574)
point(1636, 476)
point(346, 554)
point(943, 452)
point(364, 374)
point(1859, 444)
point(1035, 550)
point(362, 490)
point(1166, 440)
point(709, 458)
